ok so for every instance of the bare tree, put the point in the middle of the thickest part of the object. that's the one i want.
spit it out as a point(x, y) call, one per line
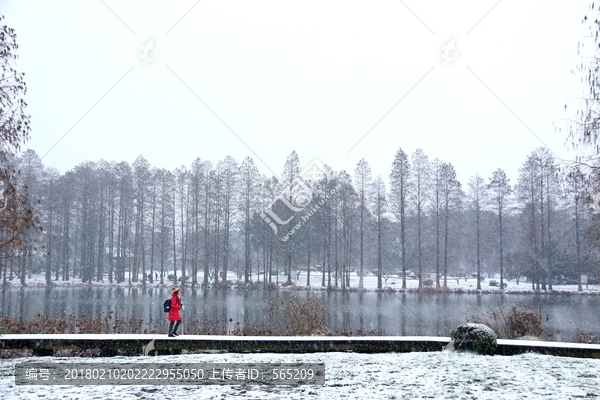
point(207, 193)
point(527, 191)
point(269, 188)
point(400, 179)
point(577, 192)
point(477, 198)
point(141, 172)
point(50, 200)
point(229, 170)
point(196, 181)
point(348, 206)
point(291, 171)
point(379, 208)
point(437, 169)
point(154, 196)
point(500, 190)
point(362, 179)
point(452, 199)
point(249, 185)
point(420, 181)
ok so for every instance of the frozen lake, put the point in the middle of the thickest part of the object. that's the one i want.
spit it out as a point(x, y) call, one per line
point(401, 314)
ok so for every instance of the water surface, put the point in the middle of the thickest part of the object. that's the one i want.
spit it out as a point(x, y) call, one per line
point(406, 314)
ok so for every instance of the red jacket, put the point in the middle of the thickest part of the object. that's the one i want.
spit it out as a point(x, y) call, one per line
point(175, 307)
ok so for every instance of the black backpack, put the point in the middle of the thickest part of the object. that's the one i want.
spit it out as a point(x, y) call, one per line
point(167, 305)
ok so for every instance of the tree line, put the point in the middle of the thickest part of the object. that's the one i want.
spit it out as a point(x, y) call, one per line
point(117, 222)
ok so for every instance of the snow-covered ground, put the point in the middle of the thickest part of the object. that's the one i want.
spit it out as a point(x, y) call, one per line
point(444, 374)
point(369, 282)
point(395, 283)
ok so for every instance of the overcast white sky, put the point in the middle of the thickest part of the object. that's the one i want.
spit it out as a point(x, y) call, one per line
point(310, 76)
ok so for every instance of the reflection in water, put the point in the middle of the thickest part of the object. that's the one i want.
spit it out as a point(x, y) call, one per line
point(21, 305)
point(403, 316)
point(346, 316)
point(246, 321)
point(407, 314)
point(379, 328)
point(361, 297)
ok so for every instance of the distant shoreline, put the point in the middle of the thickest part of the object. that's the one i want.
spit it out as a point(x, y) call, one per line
point(40, 283)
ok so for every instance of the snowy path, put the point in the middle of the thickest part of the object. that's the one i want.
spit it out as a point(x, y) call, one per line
point(356, 376)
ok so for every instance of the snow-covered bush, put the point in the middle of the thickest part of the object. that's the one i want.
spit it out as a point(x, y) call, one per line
point(475, 337)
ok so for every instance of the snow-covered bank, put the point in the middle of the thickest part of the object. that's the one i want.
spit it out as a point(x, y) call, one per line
point(393, 283)
point(445, 374)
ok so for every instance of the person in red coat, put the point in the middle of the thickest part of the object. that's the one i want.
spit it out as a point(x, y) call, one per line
point(174, 315)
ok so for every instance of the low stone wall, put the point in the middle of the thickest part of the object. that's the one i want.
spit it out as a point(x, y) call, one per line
point(508, 347)
point(108, 345)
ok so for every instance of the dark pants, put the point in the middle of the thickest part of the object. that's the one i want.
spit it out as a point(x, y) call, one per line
point(173, 330)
